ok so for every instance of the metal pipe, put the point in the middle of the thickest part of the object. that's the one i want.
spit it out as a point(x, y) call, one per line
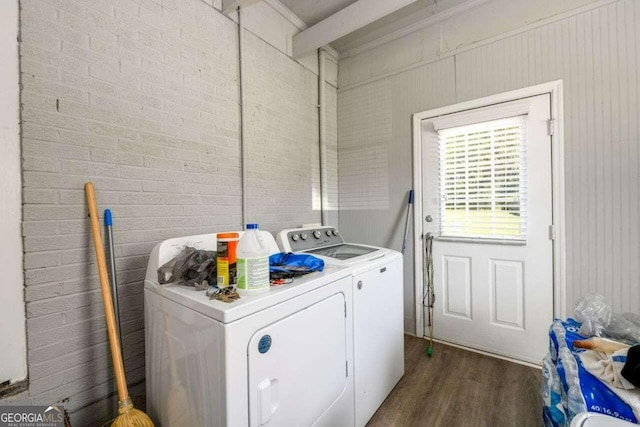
point(243, 149)
point(322, 137)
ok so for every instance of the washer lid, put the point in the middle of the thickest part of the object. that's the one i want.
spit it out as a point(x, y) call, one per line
point(344, 252)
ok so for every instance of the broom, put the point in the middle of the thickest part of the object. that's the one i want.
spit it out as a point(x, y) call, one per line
point(128, 415)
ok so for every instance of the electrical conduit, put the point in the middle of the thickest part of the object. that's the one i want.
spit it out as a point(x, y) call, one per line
point(322, 137)
point(243, 149)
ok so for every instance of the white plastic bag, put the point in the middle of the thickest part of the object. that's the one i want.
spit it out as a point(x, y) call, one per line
point(599, 320)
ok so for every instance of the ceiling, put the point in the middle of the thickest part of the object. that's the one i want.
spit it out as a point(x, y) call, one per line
point(314, 11)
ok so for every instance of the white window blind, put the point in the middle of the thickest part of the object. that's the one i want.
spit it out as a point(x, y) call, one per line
point(483, 180)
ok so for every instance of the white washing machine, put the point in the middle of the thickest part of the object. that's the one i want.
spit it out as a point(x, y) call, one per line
point(283, 358)
point(378, 318)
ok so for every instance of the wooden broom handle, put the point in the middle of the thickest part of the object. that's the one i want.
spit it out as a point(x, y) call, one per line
point(114, 342)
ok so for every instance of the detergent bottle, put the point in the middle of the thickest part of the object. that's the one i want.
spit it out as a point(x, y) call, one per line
point(253, 262)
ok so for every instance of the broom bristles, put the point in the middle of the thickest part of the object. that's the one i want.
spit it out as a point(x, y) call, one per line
point(131, 417)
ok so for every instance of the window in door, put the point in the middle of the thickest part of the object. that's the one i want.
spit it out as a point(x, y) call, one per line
point(483, 180)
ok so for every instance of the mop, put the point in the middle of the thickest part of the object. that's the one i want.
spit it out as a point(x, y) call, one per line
point(108, 222)
point(406, 222)
point(428, 294)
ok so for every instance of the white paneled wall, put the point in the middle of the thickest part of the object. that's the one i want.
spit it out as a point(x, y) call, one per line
point(379, 115)
point(596, 52)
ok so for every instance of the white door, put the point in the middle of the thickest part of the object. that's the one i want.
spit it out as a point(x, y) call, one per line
point(298, 366)
point(488, 203)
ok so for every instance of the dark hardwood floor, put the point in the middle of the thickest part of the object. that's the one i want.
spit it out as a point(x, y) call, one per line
point(460, 388)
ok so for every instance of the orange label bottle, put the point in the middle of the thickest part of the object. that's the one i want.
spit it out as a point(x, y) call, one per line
point(226, 260)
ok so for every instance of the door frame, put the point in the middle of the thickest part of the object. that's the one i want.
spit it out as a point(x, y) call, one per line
point(553, 88)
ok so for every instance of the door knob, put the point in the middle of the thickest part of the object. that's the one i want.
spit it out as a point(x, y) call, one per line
point(428, 218)
point(359, 284)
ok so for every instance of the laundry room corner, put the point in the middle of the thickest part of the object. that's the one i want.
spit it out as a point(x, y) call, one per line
point(142, 99)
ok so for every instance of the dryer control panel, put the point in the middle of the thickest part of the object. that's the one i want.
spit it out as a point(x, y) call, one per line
point(303, 239)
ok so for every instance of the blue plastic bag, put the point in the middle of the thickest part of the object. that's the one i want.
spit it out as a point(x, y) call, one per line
point(291, 265)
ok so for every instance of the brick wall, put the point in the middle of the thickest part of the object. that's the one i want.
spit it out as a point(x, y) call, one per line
point(141, 97)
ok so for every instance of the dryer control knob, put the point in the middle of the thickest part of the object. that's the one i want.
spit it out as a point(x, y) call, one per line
point(304, 236)
point(317, 234)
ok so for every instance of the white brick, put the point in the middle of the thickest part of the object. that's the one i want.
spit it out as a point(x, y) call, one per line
point(78, 226)
point(99, 12)
point(138, 223)
point(67, 6)
point(42, 117)
point(37, 69)
point(53, 274)
point(89, 169)
point(41, 259)
point(113, 131)
point(78, 197)
point(113, 75)
point(43, 323)
point(164, 164)
point(34, 229)
point(40, 292)
point(80, 110)
point(182, 199)
point(40, 39)
point(138, 123)
point(135, 249)
point(141, 198)
point(40, 164)
point(45, 213)
point(61, 304)
point(111, 103)
point(162, 187)
point(140, 148)
point(32, 147)
point(87, 139)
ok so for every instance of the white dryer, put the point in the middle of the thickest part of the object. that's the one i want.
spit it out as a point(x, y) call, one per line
point(377, 309)
point(283, 358)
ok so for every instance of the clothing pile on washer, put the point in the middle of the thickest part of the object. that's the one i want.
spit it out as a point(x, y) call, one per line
point(282, 358)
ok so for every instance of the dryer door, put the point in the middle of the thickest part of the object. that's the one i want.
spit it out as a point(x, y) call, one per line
point(298, 365)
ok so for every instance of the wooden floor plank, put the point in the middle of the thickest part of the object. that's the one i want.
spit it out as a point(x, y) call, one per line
point(455, 388)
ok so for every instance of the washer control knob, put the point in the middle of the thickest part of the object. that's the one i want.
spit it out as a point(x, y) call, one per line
point(329, 233)
point(304, 236)
point(334, 232)
point(317, 234)
point(295, 237)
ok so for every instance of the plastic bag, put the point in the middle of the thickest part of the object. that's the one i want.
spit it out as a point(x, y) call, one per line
point(195, 266)
point(598, 319)
point(594, 313)
point(285, 265)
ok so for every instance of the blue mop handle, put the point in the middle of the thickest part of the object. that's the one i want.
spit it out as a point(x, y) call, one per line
point(108, 221)
point(406, 223)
